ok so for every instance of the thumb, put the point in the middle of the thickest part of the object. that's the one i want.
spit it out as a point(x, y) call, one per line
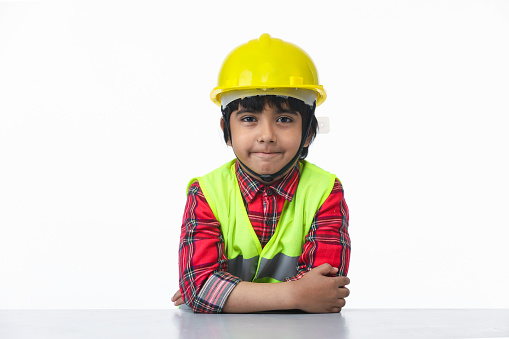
point(325, 269)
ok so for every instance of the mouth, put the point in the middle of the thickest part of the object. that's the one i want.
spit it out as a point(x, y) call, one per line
point(266, 154)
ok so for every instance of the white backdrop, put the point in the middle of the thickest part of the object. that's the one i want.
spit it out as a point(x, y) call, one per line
point(105, 116)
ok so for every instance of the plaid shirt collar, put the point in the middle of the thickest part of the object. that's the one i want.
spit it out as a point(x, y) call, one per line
point(285, 186)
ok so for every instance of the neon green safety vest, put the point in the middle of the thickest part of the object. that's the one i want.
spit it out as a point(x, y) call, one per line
point(278, 259)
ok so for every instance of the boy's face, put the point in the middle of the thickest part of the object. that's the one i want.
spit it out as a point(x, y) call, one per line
point(265, 141)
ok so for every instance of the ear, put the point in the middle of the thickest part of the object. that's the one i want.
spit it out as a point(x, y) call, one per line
point(308, 140)
point(229, 143)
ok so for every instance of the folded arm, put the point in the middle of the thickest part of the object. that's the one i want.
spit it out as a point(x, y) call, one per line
point(315, 292)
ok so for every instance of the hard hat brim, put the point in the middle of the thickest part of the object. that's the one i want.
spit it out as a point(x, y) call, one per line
point(215, 95)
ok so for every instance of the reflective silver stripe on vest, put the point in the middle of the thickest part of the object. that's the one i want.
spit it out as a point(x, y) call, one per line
point(245, 269)
point(280, 267)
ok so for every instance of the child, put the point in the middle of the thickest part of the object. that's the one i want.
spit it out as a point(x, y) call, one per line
point(267, 216)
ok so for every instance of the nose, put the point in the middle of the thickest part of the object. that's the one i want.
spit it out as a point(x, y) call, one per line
point(266, 132)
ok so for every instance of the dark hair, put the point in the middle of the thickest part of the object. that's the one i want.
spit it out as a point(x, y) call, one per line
point(257, 103)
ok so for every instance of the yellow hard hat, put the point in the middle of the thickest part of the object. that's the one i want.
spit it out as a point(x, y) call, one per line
point(267, 66)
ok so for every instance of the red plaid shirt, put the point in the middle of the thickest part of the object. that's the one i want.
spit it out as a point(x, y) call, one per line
point(205, 283)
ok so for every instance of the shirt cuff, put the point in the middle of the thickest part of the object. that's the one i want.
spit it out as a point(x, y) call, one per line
point(215, 292)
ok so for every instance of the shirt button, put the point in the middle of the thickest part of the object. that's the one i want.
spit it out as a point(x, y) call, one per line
point(269, 222)
point(269, 191)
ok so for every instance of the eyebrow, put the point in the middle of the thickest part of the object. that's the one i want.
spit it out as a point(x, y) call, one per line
point(279, 111)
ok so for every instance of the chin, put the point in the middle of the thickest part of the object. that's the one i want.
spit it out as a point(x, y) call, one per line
point(268, 170)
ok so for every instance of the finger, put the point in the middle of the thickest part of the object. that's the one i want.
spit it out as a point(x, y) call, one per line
point(341, 303)
point(336, 309)
point(341, 281)
point(344, 280)
point(325, 269)
point(176, 296)
point(178, 302)
point(333, 272)
point(343, 292)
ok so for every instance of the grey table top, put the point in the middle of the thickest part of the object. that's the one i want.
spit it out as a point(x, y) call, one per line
point(350, 323)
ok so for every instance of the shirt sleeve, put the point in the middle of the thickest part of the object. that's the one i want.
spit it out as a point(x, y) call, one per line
point(204, 281)
point(327, 240)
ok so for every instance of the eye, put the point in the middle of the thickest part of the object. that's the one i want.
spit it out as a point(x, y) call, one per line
point(284, 119)
point(248, 118)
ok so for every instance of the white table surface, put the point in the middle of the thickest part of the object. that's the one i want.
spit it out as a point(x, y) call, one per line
point(173, 323)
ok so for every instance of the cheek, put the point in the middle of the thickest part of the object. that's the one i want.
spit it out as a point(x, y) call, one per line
point(293, 139)
point(239, 141)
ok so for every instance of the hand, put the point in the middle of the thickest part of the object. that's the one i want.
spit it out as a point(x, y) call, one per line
point(177, 298)
point(315, 292)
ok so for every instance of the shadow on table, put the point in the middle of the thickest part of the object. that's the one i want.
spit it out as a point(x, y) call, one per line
point(287, 324)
